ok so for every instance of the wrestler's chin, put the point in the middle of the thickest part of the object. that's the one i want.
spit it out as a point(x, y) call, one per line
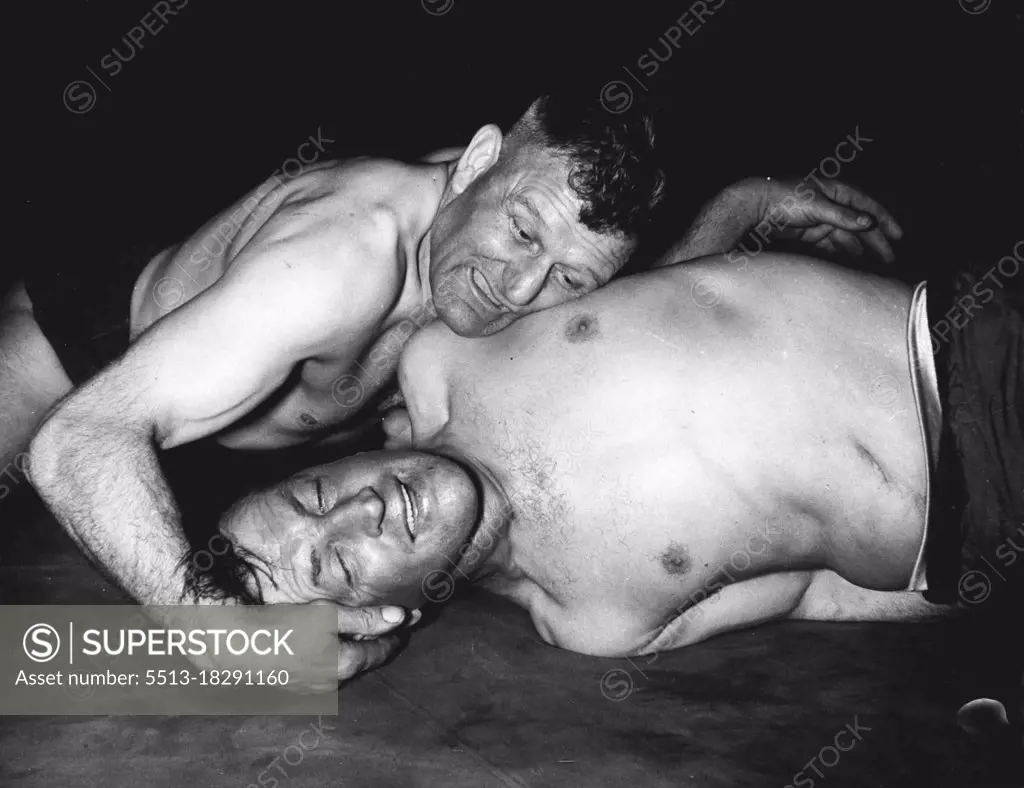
point(457, 307)
point(499, 323)
point(460, 317)
point(448, 506)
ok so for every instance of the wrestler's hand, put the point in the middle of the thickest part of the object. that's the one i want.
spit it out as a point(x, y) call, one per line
point(832, 216)
point(366, 636)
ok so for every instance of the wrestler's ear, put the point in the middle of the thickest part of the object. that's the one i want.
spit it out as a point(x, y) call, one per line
point(480, 155)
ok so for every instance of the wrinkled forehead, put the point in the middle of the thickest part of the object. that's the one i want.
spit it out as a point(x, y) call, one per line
point(254, 522)
point(538, 183)
point(254, 516)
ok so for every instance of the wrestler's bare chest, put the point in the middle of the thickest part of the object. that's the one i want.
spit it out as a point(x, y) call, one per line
point(322, 393)
point(656, 449)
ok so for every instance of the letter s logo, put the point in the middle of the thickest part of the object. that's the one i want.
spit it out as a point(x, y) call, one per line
point(44, 640)
point(438, 586)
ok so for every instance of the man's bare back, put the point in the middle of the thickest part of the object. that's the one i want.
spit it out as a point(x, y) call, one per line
point(700, 431)
point(313, 218)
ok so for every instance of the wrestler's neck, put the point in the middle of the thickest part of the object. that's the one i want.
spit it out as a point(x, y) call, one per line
point(415, 222)
point(500, 573)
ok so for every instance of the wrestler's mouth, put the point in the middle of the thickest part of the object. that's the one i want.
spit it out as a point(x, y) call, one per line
point(410, 510)
point(483, 291)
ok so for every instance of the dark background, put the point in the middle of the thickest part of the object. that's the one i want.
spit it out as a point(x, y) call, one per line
point(210, 105)
point(225, 92)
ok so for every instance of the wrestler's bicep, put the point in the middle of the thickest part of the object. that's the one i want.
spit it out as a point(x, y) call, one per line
point(214, 359)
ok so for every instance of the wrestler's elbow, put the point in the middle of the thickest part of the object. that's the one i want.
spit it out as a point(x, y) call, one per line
point(820, 600)
point(830, 597)
point(55, 447)
point(80, 425)
point(44, 454)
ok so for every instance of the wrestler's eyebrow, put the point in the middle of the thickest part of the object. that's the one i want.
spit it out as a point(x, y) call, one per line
point(527, 205)
point(291, 500)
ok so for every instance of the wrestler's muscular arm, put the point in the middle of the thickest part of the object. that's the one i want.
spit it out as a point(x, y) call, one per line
point(820, 595)
point(828, 214)
point(195, 371)
point(720, 223)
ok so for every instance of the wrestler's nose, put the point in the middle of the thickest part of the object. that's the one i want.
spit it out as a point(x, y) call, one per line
point(362, 513)
point(522, 280)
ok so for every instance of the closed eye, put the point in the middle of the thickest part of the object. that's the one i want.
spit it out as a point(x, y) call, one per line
point(343, 567)
point(570, 281)
point(521, 235)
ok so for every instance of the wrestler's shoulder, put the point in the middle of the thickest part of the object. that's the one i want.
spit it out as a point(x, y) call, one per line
point(371, 179)
point(366, 194)
point(331, 230)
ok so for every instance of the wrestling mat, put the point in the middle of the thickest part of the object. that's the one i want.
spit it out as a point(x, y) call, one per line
point(476, 700)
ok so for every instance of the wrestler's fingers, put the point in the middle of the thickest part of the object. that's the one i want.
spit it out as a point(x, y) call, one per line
point(840, 216)
point(410, 621)
point(365, 621)
point(860, 202)
point(816, 234)
point(827, 245)
point(877, 242)
point(369, 621)
point(848, 242)
point(882, 218)
point(354, 658)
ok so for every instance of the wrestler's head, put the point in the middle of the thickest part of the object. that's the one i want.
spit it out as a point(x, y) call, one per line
point(365, 530)
point(541, 215)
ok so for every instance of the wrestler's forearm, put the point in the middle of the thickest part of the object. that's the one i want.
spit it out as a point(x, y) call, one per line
point(720, 224)
point(833, 598)
point(103, 483)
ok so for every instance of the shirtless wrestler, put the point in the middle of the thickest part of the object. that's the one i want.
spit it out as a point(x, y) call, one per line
point(281, 318)
point(289, 329)
point(685, 452)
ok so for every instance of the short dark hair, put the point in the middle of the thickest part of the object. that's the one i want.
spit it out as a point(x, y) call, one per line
point(222, 572)
point(614, 167)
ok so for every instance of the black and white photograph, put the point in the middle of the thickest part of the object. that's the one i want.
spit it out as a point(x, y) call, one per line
point(479, 394)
